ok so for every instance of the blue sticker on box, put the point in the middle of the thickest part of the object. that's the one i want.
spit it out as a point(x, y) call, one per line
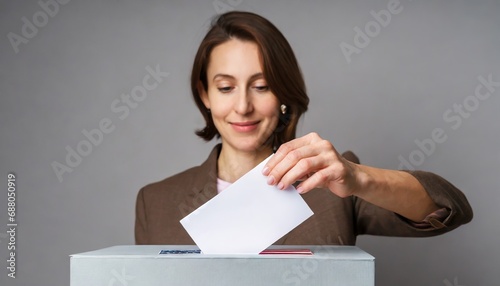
point(178, 251)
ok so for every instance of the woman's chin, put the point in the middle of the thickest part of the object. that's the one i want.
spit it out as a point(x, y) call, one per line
point(249, 147)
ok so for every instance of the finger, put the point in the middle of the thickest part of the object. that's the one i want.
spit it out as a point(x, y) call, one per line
point(300, 160)
point(299, 170)
point(286, 148)
point(305, 177)
point(321, 151)
point(318, 179)
point(281, 153)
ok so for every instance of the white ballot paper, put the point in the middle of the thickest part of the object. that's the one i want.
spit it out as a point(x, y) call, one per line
point(247, 217)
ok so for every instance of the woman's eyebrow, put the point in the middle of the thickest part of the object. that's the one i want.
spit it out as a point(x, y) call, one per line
point(256, 76)
point(223, 76)
point(227, 76)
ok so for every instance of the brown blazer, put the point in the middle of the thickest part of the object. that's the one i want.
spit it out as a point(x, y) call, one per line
point(161, 205)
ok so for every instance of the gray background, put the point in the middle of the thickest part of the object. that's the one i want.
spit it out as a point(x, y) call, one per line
point(65, 78)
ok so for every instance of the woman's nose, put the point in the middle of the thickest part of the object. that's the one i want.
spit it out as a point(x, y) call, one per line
point(243, 103)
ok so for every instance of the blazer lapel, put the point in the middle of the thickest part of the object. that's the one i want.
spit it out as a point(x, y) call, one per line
point(204, 186)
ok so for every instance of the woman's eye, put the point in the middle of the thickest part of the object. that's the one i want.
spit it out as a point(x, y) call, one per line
point(225, 89)
point(262, 88)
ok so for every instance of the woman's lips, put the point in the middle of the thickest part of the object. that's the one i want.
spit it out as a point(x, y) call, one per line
point(245, 126)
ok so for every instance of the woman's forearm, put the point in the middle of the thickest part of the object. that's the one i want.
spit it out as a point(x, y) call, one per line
point(396, 191)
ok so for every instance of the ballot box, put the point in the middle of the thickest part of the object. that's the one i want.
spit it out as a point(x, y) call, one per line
point(183, 265)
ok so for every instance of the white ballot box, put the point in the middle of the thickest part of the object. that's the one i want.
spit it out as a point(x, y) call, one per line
point(143, 265)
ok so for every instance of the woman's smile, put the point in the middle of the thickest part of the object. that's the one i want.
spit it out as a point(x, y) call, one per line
point(245, 126)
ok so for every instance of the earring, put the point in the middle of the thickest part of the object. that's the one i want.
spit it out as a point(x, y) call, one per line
point(283, 109)
point(208, 110)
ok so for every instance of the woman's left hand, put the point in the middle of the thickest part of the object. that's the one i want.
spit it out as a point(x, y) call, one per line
point(314, 161)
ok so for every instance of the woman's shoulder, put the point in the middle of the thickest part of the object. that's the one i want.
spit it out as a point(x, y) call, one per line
point(184, 177)
point(188, 179)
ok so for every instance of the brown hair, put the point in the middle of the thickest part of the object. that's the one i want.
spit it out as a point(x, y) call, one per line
point(280, 69)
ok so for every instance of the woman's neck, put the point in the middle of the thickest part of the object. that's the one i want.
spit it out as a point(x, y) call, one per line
point(233, 164)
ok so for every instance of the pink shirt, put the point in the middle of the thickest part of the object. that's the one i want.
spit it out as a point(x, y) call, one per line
point(222, 185)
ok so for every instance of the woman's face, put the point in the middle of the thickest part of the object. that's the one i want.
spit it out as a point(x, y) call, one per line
point(244, 110)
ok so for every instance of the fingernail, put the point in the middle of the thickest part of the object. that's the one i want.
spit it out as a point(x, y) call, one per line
point(265, 171)
point(300, 190)
point(281, 186)
point(270, 180)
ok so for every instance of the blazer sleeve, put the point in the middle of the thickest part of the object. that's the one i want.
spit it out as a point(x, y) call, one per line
point(140, 230)
point(371, 219)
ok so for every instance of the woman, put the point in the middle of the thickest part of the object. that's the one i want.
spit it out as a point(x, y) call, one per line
point(248, 86)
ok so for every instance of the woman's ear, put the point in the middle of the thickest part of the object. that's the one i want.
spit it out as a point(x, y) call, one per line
point(203, 94)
